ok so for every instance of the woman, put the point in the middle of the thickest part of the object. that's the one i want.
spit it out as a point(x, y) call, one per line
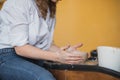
point(26, 32)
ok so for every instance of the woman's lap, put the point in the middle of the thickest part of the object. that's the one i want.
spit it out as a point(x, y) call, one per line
point(16, 68)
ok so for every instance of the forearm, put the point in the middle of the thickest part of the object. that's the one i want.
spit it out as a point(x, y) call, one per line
point(36, 53)
point(59, 56)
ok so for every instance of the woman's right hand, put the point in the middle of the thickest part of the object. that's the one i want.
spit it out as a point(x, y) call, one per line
point(66, 57)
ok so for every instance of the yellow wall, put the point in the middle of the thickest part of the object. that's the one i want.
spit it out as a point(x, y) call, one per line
point(92, 22)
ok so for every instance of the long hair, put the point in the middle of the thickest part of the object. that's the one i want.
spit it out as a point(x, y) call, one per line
point(43, 6)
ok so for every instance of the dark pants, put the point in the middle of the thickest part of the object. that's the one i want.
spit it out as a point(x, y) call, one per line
point(14, 67)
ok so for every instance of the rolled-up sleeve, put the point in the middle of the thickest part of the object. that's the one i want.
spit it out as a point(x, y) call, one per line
point(17, 20)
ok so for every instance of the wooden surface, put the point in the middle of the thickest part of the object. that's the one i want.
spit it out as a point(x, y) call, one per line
point(81, 75)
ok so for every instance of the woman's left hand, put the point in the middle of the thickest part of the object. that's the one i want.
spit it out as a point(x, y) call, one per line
point(72, 48)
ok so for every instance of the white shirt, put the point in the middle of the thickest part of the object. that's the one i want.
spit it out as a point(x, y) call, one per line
point(21, 23)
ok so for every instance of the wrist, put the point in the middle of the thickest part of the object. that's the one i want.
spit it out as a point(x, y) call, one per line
point(55, 57)
point(54, 49)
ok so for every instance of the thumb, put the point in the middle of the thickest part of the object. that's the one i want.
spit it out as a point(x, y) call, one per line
point(77, 46)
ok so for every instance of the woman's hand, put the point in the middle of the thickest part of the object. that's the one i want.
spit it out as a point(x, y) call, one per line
point(68, 58)
point(71, 48)
point(72, 51)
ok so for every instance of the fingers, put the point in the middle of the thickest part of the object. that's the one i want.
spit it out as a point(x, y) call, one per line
point(73, 57)
point(71, 48)
point(74, 62)
point(65, 47)
point(68, 58)
point(74, 47)
point(77, 45)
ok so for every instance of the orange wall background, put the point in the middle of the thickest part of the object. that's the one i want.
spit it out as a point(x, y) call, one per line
point(92, 22)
